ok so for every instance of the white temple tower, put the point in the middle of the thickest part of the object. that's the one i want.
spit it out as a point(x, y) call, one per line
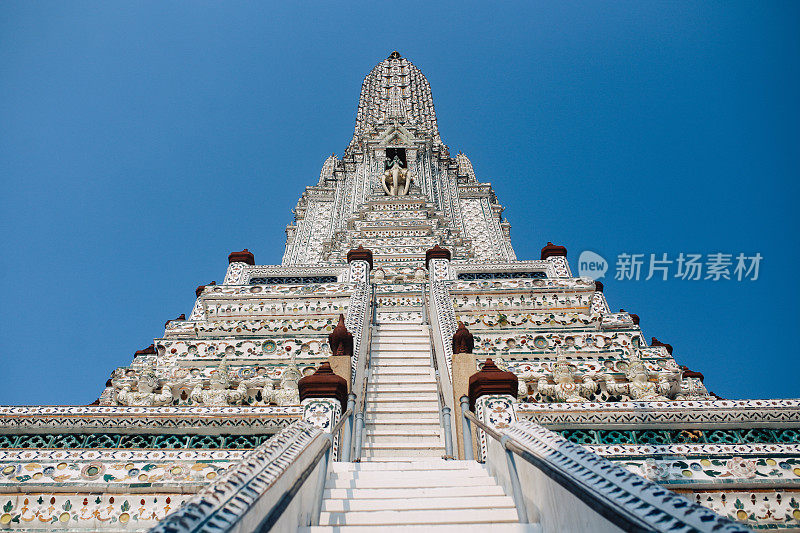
point(401, 370)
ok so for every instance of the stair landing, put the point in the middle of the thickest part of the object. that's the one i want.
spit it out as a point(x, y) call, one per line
point(419, 494)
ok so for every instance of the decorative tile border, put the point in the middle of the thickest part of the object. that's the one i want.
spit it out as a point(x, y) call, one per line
point(691, 450)
point(203, 420)
point(86, 512)
point(107, 440)
point(685, 435)
point(759, 509)
point(179, 474)
point(720, 414)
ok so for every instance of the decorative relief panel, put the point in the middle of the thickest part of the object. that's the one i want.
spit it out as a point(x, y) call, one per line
point(111, 474)
point(87, 512)
point(717, 471)
point(235, 274)
point(775, 509)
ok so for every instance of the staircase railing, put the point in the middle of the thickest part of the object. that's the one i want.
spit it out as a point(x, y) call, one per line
point(444, 405)
point(568, 486)
point(362, 378)
point(323, 471)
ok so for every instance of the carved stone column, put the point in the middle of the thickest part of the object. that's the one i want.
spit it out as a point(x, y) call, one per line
point(341, 342)
point(464, 366)
point(237, 264)
point(198, 313)
point(323, 396)
point(360, 261)
point(358, 313)
point(492, 394)
point(599, 305)
point(557, 256)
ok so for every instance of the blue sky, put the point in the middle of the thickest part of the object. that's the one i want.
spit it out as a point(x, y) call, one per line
point(141, 142)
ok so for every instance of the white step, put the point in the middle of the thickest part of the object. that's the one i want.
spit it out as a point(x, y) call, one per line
point(424, 492)
point(421, 363)
point(394, 352)
point(401, 387)
point(401, 425)
point(414, 432)
point(395, 375)
point(395, 334)
point(402, 340)
point(402, 337)
point(408, 407)
point(406, 457)
point(407, 465)
point(377, 504)
point(426, 528)
point(397, 415)
point(419, 430)
point(385, 481)
point(404, 327)
point(405, 396)
point(395, 379)
point(427, 434)
point(381, 453)
point(438, 516)
point(400, 334)
point(421, 357)
point(402, 343)
point(415, 370)
point(423, 478)
point(422, 441)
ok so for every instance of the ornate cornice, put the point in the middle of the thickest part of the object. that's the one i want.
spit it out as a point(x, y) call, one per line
point(695, 414)
point(232, 420)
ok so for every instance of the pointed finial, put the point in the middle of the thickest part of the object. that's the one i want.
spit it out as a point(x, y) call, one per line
point(463, 340)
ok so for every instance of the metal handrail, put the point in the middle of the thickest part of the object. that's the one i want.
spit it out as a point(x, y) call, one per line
point(516, 488)
point(347, 433)
point(620, 517)
point(325, 458)
point(621, 497)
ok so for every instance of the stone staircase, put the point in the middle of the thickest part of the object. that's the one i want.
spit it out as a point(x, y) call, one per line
point(402, 483)
point(415, 495)
point(401, 416)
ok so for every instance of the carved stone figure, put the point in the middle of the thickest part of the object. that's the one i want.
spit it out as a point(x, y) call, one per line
point(268, 392)
point(396, 180)
point(145, 393)
point(219, 392)
point(566, 387)
point(638, 385)
point(288, 393)
point(690, 387)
